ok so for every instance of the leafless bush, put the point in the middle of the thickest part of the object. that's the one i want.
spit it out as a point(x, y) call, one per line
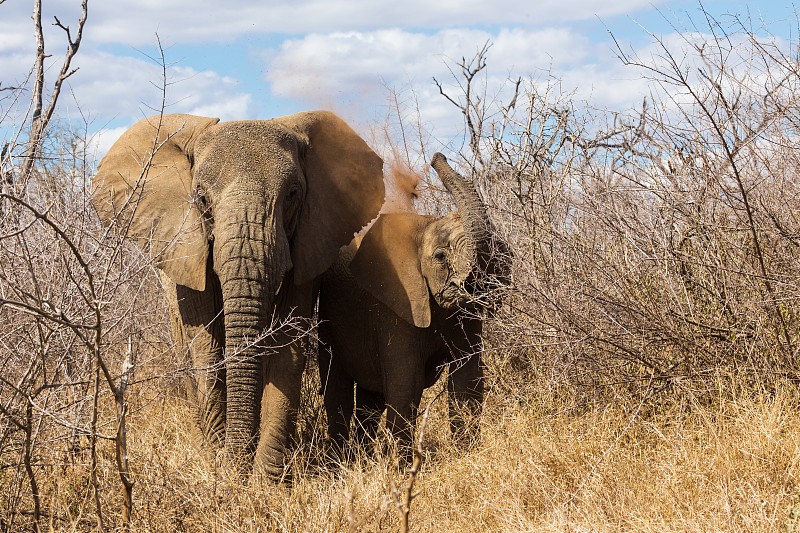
point(656, 248)
point(76, 337)
point(653, 250)
point(74, 333)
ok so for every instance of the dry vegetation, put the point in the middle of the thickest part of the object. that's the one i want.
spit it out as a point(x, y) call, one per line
point(642, 365)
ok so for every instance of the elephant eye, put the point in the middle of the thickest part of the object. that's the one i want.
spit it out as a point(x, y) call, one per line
point(440, 256)
point(200, 200)
point(291, 207)
point(203, 205)
point(293, 194)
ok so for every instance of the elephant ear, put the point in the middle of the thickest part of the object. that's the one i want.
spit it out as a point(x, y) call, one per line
point(387, 266)
point(345, 191)
point(144, 185)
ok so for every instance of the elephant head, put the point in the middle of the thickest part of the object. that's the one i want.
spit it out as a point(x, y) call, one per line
point(405, 258)
point(247, 202)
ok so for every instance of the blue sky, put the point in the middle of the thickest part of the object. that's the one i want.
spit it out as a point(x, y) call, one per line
point(241, 60)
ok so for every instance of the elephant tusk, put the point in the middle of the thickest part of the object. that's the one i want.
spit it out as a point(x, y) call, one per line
point(279, 286)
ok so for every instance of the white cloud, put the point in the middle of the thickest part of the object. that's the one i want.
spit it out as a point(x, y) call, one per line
point(362, 62)
point(357, 53)
point(208, 94)
point(11, 38)
point(124, 88)
point(364, 65)
point(135, 21)
point(101, 141)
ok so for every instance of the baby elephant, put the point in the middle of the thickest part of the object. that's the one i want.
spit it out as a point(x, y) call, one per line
point(399, 306)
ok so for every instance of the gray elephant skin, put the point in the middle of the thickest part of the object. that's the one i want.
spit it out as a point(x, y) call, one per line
point(241, 218)
point(398, 307)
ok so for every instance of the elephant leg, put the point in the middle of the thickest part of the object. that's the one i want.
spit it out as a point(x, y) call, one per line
point(282, 370)
point(403, 383)
point(197, 324)
point(369, 409)
point(400, 416)
point(465, 384)
point(338, 399)
point(465, 396)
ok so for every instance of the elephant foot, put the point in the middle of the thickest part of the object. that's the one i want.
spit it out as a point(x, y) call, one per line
point(273, 471)
point(274, 475)
point(466, 435)
point(336, 453)
point(405, 456)
point(242, 470)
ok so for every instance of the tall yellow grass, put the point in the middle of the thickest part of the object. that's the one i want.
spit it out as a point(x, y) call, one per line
point(654, 252)
point(539, 466)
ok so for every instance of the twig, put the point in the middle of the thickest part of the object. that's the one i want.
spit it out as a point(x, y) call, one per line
point(121, 446)
point(472, 108)
point(41, 117)
point(403, 503)
point(93, 447)
point(29, 466)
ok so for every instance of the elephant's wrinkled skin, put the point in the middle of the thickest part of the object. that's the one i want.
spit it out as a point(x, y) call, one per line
point(241, 218)
point(399, 306)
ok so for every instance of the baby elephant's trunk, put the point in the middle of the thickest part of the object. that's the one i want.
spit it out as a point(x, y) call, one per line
point(477, 227)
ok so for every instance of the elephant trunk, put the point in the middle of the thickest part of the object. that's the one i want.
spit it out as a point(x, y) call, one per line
point(477, 227)
point(243, 380)
point(253, 262)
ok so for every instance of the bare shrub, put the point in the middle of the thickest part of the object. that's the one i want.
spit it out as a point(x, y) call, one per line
point(75, 335)
point(76, 338)
point(654, 249)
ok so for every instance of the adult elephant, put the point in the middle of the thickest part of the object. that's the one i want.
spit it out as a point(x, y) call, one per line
point(241, 218)
point(402, 304)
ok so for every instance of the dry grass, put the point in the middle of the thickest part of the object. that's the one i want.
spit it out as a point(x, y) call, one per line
point(541, 465)
point(642, 368)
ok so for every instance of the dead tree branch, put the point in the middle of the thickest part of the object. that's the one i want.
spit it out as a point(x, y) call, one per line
point(41, 116)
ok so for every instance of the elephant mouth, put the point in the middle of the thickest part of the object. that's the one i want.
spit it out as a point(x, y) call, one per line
point(456, 294)
point(471, 286)
point(463, 294)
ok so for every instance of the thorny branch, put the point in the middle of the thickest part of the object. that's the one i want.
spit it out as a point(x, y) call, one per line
point(41, 116)
point(473, 107)
point(722, 108)
point(403, 500)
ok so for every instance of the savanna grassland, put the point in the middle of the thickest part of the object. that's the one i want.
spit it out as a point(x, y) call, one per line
point(540, 466)
point(641, 363)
